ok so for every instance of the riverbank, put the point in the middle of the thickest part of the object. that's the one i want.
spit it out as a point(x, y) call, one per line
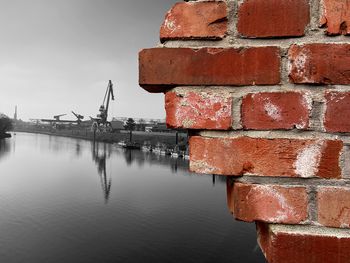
point(140, 137)
point(5, 135)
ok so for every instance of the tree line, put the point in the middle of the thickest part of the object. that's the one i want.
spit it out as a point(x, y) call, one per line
point(5, 124)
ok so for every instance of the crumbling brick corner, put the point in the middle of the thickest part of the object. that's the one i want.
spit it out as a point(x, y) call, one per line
point(264, 88)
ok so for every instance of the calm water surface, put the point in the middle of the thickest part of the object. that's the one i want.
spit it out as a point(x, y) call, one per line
point(63, 200)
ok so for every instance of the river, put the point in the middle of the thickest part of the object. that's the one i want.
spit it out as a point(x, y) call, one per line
point(66, 200)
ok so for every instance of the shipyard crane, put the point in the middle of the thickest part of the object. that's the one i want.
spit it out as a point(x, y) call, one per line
point(101, 119)
point(78, 116)
point(57, 120)
point(100, 160)
point(57, 117)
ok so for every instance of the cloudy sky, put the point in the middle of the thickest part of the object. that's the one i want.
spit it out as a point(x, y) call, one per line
point(58, 55)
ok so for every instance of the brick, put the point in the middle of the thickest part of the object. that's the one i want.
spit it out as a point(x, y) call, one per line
point(336, 17)
point(303, 244)
point(277, 110)
point(198, 110)
point(163, 68)
point(270, 203)
point(265, 157)
point(195, 20)
point(337, 111)
point(320, 64)
point(273, 18)
point(333, 206)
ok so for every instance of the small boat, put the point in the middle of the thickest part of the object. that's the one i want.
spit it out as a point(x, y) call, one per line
point(156, 150)
point(146, 147)
point(159, 149)
point(165, 150)
point(132, 146)
point(186, 154)
point(175, 154)
point(121, 144)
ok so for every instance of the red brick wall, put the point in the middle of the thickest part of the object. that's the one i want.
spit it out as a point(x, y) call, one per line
point(263, 87)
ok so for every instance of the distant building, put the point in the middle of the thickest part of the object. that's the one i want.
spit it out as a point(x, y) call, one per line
point(15, 115)
point(161, 127)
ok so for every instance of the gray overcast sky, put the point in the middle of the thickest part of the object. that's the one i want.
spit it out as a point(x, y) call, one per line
point(58, 55)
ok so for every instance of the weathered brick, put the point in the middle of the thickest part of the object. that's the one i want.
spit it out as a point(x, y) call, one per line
point(336, 17)
point(303, 244)
point(334, 206)
point(320, 63)
point(265, 157)
point(277, 110)
point(163, 68)
point(337, 111)
point(195, 20)
point(198, 110)
point(273, 18)
point(270, 203)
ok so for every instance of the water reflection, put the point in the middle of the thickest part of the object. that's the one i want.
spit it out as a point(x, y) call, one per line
point(140, 158)
point(4, 148)
point(100, 160)
point(78, 149)
point(129, 157)
point(52, 208)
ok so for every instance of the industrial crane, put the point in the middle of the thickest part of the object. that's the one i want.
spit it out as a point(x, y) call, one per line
point(101, 119)
point(100, 160)
point(57, 117)
point(78, 116)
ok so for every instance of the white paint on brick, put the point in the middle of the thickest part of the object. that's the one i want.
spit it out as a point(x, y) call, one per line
point(337, 97)
point(199, 107)
point(285, 210)
point(272, 110)
point(202, 166)
point(299, 65)
point(171, 24)
point(307, 101)
point(213, 51)
point(187, 122)
point(300, 62)
point(308, 160)
point(301, 124)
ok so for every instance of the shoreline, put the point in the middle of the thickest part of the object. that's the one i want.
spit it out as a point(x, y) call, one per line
point(5, 136)
point(137, 136)
point(55, 134)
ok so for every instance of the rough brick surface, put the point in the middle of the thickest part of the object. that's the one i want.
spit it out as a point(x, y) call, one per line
point(336, 17)
point(337, 112)
point(303, 244)
point(334, 206)
point(270, 203)
point(273, 18)
point(279, 110)
point(320, 63)
point(161, 68)
point(195, 20)
point(265, 157)
point(198, 110)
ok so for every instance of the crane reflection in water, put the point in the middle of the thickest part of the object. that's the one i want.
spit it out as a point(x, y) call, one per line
point(100, 158)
